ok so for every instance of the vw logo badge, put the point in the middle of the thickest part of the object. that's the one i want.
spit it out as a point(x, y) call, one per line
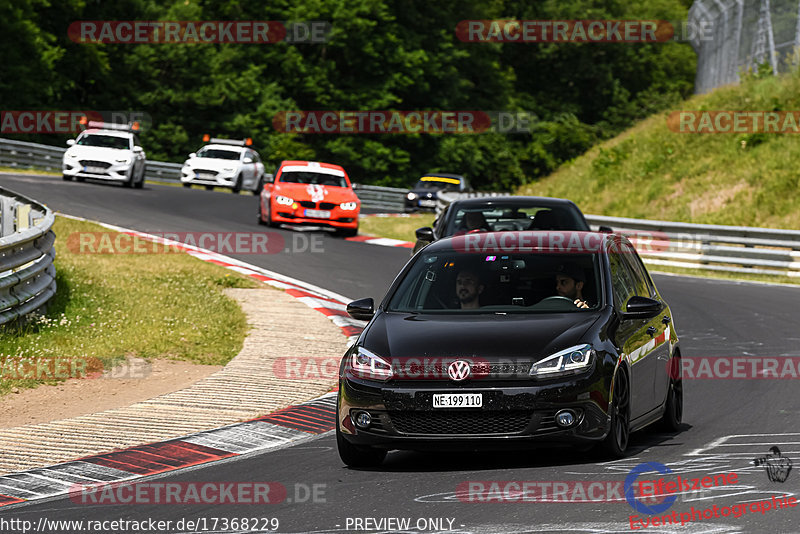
point(458, 370)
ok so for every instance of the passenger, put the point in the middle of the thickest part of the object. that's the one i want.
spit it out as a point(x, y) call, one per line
point(569, 283)
point(469, 289)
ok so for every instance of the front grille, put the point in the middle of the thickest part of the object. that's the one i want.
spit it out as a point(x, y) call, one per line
point(93, 163)
point(326, 205)
point(437, 368)
point(308, 204)
point(460, 423)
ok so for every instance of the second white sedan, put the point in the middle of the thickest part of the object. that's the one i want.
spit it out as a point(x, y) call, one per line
point(225, 163)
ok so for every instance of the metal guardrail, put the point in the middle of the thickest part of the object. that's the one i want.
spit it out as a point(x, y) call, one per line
point(27, 274)
point(386, 198)
point(736, 249)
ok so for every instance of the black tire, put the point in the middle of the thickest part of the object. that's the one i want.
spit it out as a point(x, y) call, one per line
point(266, 221)
point(347, 232)
point(66, 178)
point(140, 183)
point(616, 443)
point(259, 186)
point(237, 186)
point(355, 455)
point(129, 182)
point(673, 412)
point(209, 188)
point(187, 185)
point(80, 179)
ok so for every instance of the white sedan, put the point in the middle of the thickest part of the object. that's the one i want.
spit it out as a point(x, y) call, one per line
point(225, 163)
point(106, 152)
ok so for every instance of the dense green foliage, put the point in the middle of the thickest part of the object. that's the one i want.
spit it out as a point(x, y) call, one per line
point(381, 54)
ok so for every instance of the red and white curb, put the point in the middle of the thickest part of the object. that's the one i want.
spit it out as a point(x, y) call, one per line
point(382, 241)
point(278, 429)
point(330, 304)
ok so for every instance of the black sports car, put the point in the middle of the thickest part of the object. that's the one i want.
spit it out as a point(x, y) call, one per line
point(426, 191)
point(509, 213)
point(510, 339)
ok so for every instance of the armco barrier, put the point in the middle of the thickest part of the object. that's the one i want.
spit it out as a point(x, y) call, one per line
point(27, 274)
point(736, 249)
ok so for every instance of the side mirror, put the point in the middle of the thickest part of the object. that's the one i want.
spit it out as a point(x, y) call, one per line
point(269, 178)
point(138, 149)
point(641, 308)
point(606, 230)
point(248, 160)
point(425, 234)
point(70, 142)
point(361, 309)
point(193, 155)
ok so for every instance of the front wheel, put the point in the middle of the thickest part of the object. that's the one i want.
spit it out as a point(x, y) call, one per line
point(66, 178)
point(237, 186)
point(139, 184)
point(616, 443)
point(673, 413)
point(259, 186)
point(187, 185)
point(357, 456)
point(347, 232)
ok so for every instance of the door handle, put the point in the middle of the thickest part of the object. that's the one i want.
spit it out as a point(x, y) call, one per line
point(651, 330)
point(666, 319)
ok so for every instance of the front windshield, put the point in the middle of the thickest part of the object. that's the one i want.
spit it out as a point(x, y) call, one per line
point(438, 183)
point(305, 177)
point(217, 153)
point(522, 282)
point(104, 141)
point(513, 218)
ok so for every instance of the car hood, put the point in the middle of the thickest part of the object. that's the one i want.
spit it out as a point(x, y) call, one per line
point(317, 193)
point(98, 153)
point(519, 336)
point(213, 164)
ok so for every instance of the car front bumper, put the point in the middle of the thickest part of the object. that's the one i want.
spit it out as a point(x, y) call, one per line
point(217, 180)
point(118, 172)
point(513, 414)
point(339, 218)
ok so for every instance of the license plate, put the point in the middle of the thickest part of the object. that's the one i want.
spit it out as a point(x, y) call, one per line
point(457, 400)
point(205, 175)
point(427, 203)
point(318, 214)
point(96, 170)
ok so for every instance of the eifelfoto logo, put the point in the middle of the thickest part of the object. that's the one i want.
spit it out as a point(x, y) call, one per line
point(458, 370)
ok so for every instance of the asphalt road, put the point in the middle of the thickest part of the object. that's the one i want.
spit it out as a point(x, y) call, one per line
point(727, 423)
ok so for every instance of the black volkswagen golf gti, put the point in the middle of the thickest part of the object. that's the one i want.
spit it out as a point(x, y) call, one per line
point(514, 339)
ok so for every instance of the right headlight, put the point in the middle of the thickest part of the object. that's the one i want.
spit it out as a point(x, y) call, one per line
point(411, 196)
point(366, 364)
point(571, 361)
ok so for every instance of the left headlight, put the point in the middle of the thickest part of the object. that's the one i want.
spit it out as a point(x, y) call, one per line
point(348, 206)
point(411, 196)
point(571, 361)
point(366, 364)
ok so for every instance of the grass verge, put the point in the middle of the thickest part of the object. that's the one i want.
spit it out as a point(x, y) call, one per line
point(110, 306)
point(17, 170)
point(395, 227)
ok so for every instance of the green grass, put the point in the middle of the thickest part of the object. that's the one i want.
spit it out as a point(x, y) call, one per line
point(17, 170)
point(109, 306)
point(652, 172)
point(395, 227)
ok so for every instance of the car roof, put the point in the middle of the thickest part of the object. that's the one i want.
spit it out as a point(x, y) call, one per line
point(512, 200)
point(112, 133)
point(560, 241)
point(233, 148)
point(311, 164)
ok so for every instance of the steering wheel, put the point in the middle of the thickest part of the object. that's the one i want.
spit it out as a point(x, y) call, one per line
point(557, 298)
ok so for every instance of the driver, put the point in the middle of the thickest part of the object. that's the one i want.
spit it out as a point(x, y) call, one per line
point(569, 283)
point(468, 289)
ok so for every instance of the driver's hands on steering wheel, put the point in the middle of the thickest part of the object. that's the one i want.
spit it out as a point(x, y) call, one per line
point(581, 303)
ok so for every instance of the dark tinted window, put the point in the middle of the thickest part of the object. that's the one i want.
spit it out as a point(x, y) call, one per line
point(105, 141)
point(644, 285)
point(623, 280)
point(513, 218)
point(304, 177)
